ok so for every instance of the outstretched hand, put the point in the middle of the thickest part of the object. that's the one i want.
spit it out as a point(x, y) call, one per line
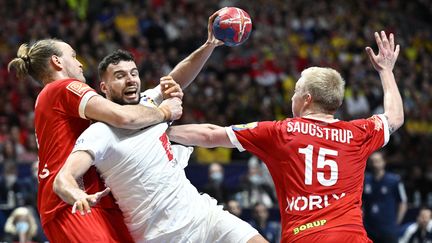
point(387, 52)
point(211, 39)
point(83, 205)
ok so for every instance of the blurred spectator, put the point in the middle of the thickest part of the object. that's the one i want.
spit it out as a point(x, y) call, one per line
point(8, 185)
point(238, 83)
point(254, 187)
point(260, 220)
point(21, 226)
point(215, 186)
point(420, 231)
point(234, 207)
point(356, 104)
point(26, 188)
point(384, 202)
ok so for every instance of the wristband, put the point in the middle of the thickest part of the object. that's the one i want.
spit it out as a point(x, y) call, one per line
point(166, 112)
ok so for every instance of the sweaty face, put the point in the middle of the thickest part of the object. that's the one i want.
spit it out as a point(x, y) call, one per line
point(297, 100)
point(72, 67)
point(121, 83)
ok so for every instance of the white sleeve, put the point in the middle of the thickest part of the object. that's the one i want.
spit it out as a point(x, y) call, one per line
point(83, 103)
point(182, 154)
point(409, 232)
point(233, 138)
point(95, 140)
point(151, 97)
point(386, 129)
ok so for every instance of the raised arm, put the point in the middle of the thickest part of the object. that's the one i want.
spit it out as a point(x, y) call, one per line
point(187, 70)
point(204, 135)
point(132, 116)
point(66, 186)
point(384, 63)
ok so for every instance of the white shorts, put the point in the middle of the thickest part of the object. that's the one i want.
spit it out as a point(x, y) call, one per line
point(214, 226)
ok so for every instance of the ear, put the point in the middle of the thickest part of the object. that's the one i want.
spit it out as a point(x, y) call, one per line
point(103, 87)
point(56, 62)
point(308, 99)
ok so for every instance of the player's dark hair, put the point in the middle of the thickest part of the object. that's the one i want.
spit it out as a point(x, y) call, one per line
point(33, 59)
point(114, 58)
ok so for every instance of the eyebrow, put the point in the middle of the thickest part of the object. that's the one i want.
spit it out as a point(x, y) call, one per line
point(125, 71)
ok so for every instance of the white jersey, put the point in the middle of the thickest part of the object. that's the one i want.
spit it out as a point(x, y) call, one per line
point(146, 176)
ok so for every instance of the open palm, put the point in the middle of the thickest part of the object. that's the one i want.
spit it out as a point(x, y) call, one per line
point(387, 52)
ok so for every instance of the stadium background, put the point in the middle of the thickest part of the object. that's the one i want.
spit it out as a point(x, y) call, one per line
point(251, 82)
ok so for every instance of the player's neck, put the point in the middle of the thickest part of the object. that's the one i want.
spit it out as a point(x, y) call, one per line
point(319, 116)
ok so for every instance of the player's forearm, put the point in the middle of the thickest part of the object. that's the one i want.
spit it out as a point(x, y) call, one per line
point(204, 135)
point(193, 134)
point(187, 70)
point(393, 106)
point(127, 116)
point(139, 116)
point(66, 187)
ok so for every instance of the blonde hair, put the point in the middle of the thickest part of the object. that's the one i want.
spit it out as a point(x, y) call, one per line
point(21, 212)
point(33, 60)
point(326, 87)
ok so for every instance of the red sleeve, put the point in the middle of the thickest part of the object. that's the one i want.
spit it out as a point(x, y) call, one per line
point(255, 137)
point(377, 131)
point(75, 95)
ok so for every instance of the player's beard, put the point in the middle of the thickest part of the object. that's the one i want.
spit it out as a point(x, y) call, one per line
point(121, 101)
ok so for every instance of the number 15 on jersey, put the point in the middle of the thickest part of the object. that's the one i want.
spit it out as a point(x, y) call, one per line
point(321, 162)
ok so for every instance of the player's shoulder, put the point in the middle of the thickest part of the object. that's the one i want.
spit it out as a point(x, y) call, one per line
point(374, 122)
point(99, 128)
point(149, 98)
point(69, 85)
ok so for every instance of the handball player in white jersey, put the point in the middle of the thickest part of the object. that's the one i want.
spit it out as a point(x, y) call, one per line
point(144, 172)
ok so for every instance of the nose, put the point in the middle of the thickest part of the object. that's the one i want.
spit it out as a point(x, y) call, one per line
point(131, 79)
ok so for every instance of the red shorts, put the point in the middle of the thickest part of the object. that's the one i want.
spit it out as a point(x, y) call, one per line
point(335, 237)
point(101, 225)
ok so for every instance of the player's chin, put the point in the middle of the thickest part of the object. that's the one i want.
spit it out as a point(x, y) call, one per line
point(133, 101)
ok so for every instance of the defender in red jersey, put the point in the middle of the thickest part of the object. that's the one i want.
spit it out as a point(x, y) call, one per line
point(63, 111)
point(316, 161)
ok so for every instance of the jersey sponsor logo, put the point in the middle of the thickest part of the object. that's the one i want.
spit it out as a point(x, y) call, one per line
point(167, 146)
point(337, 135)
point(78, 88)
point(240, 127)
point(306, 226)
point(378, 123)
point(147, 100)
point(311, 202)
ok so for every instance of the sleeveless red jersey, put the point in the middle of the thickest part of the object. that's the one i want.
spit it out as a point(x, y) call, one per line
point(59, 120)
point(317, 168)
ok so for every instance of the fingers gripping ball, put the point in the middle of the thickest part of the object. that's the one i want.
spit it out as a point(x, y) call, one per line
point(232, 26)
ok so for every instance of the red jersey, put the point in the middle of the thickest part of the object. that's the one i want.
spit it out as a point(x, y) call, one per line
point(59, 120)
point(317, 168)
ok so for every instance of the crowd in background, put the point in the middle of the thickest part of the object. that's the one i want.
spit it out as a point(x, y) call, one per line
point(241, 84)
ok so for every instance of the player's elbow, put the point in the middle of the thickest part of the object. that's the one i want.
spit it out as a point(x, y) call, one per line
point(396, 120)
